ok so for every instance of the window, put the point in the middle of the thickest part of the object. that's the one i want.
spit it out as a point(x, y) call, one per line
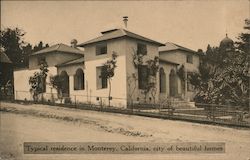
point(142, 76)
point(102, 82)
point(40, 60)
point(101, 49)
point(189, 59)
point(79, 80)
point(141, 49)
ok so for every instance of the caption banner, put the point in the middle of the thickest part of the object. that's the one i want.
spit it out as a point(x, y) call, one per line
point(122, 148)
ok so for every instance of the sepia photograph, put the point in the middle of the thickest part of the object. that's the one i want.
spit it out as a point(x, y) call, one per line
point(128, 80)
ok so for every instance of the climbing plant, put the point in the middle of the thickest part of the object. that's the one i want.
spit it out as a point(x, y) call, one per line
point(56, 82)
point(38, 81)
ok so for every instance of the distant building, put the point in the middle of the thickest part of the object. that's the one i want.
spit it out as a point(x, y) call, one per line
point(81, 69)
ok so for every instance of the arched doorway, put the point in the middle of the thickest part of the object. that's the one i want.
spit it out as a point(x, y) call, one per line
point(65, 81)
point(173, 85)
point(79, 79)
point(162, 81)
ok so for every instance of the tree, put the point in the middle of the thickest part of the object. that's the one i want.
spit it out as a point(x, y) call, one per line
point(57, 83)
point(38, 81)
point(12, 42)
point(40, 46)
point(153, 68)
point(26, 51)
point(108, 71)
point(223, 76)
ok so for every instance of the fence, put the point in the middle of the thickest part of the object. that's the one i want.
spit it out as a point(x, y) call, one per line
point(203, 113)
point(54, 98)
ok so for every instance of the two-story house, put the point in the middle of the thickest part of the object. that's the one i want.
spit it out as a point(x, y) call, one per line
point(126, 45)
point(54, 55)
point(81, 70)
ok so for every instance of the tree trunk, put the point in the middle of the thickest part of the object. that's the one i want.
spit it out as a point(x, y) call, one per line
point(109, 90)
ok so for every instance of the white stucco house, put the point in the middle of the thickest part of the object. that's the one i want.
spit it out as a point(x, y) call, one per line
point(81, 65)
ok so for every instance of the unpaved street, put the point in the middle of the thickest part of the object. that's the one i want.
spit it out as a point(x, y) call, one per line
point(36, 123)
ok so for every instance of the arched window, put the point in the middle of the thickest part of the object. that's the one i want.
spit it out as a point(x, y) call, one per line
point(162, 81)
point(79, 80)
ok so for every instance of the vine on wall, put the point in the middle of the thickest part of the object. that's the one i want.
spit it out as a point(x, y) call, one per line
point(152, 69)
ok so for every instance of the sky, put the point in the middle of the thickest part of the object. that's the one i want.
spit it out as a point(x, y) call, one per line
point(190, 23)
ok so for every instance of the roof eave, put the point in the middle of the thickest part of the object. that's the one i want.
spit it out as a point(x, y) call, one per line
point(56, 52)
point(63, 65)
point(85, 44)
point(180, 49)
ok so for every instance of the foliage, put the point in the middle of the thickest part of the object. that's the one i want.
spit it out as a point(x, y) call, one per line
point(56, 82)
point(153, 68)
point(108, 71)
point(224, 74)
point(37, 81)
point(137, 59)
point(27, 50)
point(40, 46)
point(109, 67)
point(12, 43)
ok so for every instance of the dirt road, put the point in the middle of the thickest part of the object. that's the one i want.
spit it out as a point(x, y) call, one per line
point(36, 123)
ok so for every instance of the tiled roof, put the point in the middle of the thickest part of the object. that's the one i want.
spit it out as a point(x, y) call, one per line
point(60, 48)
point(172, 46)
point(117, 33)
point(75, 61)
point(4, 58)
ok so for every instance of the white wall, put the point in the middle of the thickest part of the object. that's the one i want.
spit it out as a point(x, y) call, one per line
point(22, 87)
point(90, 92)
point(179, 57)
point(52, 59)
point(118, 89)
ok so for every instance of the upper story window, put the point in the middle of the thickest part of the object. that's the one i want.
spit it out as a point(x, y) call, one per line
point(189, 59)
point(141, 49)
point(41, 60)
point(101, 49)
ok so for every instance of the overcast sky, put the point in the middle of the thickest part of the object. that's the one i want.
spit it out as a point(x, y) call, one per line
point(193, 24)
